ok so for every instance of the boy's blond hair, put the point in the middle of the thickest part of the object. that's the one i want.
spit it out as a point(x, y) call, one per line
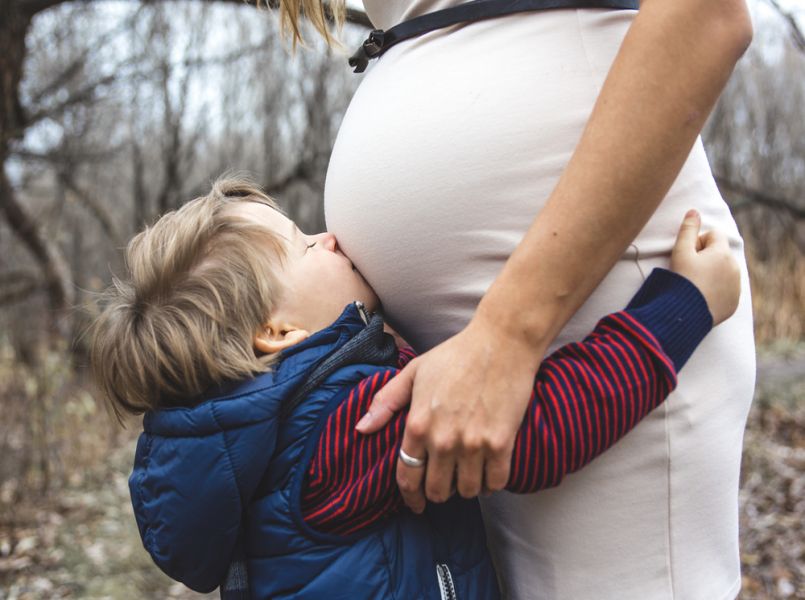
point(201, 282)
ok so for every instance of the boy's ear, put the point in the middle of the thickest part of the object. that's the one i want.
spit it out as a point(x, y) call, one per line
point(277, 336)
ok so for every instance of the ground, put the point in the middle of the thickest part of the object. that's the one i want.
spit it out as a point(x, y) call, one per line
point(84, 544)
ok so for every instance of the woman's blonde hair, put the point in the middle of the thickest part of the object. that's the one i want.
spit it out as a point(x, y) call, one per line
point(317, 12)
point(201, 282)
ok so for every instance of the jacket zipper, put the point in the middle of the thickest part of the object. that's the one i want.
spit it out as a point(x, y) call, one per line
point(362, 311)
point(446, 587)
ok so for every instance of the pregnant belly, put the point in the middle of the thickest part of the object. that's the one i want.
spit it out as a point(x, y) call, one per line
point(448, 151)
point(452, 144)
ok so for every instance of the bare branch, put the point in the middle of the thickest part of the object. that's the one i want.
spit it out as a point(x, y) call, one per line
point(796, 33)
point(77, 65)
point(20, 294)
point(755, 197)
point(93, 206)
point(31, 7)
point(298, 173)
point(11, 278)
point(21, 283)
point(87, 92)
point(358, 17)
point(225, 59)
point(84, 94)
point(57, 280)
point(56, 157)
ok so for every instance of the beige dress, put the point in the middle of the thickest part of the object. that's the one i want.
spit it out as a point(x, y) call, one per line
point(446, 154)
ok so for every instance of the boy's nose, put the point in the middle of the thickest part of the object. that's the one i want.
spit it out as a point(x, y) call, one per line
point(327, 240)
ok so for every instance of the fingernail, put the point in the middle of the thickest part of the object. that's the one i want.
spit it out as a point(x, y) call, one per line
point(365, 421)
point(692, 213)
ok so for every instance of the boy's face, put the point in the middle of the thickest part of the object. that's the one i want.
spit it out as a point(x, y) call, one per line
point(318, 279)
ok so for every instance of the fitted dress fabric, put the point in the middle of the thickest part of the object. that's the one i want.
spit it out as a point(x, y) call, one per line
point(447, 152)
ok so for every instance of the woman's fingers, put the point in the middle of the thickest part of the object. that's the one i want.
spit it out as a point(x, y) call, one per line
point(496, 469)
point(394, 396)
point(410, 479)
point(467, 404)
point(470, 473)
point(439, 479)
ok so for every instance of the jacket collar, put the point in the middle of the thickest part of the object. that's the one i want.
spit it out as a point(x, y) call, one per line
point(367, 345)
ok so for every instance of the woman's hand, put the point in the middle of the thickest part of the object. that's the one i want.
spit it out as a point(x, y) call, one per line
point(469, 395)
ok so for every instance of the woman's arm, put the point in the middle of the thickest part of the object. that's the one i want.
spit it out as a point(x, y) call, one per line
point(672, 65)
point(585, 397)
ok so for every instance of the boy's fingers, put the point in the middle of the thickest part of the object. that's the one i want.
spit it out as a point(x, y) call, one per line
point(714, 239)
point(394, 396)
point(688, 237)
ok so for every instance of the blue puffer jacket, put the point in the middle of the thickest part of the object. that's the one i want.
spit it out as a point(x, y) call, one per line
point(216, 491)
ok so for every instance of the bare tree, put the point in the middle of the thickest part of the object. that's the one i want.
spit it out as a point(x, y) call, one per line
point(78, 84)
point(105, 124)
point(756, 135)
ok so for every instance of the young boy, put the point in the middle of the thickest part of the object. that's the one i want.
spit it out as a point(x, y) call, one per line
point(231, 334)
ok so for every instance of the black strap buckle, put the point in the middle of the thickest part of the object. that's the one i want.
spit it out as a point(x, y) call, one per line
point(371, 47)
point(379, 40)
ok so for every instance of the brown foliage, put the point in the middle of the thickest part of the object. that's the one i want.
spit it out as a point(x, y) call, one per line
point(773, 493)
point(778, 292)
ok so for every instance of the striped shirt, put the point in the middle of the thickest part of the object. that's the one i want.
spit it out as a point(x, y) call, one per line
point(586, 396)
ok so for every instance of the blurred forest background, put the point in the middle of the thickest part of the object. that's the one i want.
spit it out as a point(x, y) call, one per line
point(112, 113)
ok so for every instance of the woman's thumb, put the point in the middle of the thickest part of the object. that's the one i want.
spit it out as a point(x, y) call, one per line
point(388, 400)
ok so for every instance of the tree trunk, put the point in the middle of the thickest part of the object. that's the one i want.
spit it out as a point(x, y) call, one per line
point(14, 24)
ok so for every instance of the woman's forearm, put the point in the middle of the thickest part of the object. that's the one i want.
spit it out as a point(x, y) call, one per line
point(671, 68)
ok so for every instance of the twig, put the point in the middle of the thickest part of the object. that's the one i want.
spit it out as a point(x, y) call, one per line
point(756, 197)
point(796, 32)
point(32, 7)
point(22, 284)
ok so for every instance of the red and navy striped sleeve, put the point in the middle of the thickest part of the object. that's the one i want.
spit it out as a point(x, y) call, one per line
point(586, 397)
point(406, 355)
point(350, 480)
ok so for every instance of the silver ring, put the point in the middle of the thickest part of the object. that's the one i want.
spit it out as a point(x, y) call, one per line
point(410, 461)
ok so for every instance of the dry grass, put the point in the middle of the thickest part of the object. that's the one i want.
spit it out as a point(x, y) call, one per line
point(774, 243)
point(773, 491)
point(54, 431)
point(778, 291)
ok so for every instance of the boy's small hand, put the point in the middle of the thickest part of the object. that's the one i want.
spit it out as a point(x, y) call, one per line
point(707, 262)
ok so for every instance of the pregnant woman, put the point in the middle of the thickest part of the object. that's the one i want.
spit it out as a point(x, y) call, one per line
point(468, 160)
